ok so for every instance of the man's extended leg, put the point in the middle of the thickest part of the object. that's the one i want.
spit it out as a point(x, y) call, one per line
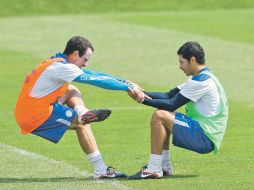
point(161, 128)
point(74, 100)
point(85, 135)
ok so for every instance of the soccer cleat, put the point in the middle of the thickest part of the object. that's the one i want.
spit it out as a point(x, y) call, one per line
point(167, 172)
point(145, 173)
point(95, 116)
point(110, 173)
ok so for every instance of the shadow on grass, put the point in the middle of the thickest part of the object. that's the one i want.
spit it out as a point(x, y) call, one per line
point(170, 177)
point(180, 176)
point(52, 179)
point(74, 179)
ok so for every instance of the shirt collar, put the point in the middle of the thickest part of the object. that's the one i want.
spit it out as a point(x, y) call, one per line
point(59, 55)
point(205, 69)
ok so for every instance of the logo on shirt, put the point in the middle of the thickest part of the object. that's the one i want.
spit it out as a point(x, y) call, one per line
point(68, 113)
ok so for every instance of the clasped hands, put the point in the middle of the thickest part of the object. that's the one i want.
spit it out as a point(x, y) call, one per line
point(137, 93)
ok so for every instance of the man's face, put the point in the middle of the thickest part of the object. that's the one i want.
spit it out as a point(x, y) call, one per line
point(185, 66)
point(83, 60)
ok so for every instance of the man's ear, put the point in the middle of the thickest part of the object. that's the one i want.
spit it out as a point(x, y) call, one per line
point(75, 53)
point(73, 56)
point(193, 59)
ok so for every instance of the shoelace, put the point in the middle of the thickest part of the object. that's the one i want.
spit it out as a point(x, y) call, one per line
point(110, 169)
point(143, 168)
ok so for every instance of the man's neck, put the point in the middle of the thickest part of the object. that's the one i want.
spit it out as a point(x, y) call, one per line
point(198, 70)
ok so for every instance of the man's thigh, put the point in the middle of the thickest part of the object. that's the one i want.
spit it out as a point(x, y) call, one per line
point(188, 134)
point(57, 124)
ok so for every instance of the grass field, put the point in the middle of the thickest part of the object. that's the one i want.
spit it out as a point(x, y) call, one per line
point(124, 44)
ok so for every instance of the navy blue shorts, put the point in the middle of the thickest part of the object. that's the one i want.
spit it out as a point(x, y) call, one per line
point(56, 125)
point(188, 134)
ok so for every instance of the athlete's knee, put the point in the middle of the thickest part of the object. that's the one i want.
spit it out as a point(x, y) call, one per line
point(162, 116)
point(73, 90)
point(159, 115)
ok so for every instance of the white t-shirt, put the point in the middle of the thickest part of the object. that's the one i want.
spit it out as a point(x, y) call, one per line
point(53, 77)
point(203, 93)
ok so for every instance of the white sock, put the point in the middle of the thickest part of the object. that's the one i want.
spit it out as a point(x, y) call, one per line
point(96, 160)
point(154, 162)
point(165, 164)
point(80, 110)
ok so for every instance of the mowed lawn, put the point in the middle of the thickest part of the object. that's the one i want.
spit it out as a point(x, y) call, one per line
point(140, 47)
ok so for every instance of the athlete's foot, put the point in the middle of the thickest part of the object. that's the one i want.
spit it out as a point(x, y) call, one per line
point(109, 173)
point(145, 173)
point(95, 116)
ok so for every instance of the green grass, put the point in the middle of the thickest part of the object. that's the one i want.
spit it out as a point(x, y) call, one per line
point(51, 173)
point(233, 25)
point(123, 46)
point(46, 7)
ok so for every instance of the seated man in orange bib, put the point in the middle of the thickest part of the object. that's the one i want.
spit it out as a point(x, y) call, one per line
point(48, 105)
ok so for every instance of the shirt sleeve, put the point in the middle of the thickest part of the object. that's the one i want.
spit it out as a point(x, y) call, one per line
point(90, 72)
point(105, 82)
point(65, 72)
point(194, 90)
point(163, 95)
point(180, 86)
point(167, 104)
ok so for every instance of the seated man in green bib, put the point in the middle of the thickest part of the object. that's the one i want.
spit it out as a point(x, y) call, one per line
point(203, 126)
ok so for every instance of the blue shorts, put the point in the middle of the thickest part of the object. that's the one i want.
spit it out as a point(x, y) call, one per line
point(56, 125)
point(188, 134)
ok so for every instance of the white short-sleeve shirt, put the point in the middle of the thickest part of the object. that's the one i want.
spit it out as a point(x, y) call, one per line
point(203, 92)
point(53, 77)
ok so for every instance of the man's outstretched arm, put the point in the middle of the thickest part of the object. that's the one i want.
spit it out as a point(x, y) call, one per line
point(109, 83)
point(171, 104)
point(128, 82)
point(163, 95)
point(94, 73)
point(105, 82)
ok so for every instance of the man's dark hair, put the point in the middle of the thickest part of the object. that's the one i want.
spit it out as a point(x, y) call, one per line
point(78, 43)
point(192, 49)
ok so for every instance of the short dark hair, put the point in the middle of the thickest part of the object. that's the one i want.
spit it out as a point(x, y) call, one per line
point(78, 43)
point(192, 49)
